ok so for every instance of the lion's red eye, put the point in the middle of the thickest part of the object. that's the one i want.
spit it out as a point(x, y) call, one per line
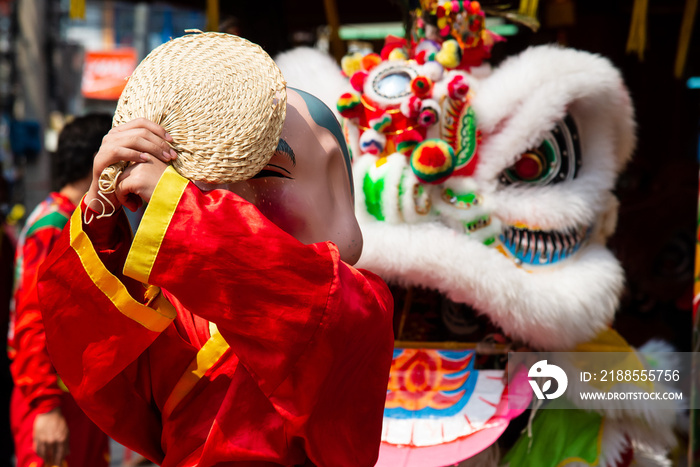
point(530, 166)
point(556, 159)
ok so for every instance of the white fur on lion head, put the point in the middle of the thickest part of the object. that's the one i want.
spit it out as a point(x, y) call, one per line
point(426, 239)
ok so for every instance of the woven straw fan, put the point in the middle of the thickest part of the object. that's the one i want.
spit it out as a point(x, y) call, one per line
point(222, 99)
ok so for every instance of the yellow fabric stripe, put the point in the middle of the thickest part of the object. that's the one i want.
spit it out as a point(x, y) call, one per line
point(208, 355)
point(61, 385)
point(155, 222)
point(152, 319)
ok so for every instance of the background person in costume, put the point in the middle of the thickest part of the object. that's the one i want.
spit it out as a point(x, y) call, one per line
point(47, 425)
point(254, 340)
point(8, 245)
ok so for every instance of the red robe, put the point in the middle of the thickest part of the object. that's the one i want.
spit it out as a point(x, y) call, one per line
point(37, 389)
point(296, 373)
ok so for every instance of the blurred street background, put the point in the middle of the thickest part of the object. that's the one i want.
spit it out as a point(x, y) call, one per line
point(64, 58)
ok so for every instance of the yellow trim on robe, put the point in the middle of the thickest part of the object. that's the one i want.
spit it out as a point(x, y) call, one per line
point(61, 385)
point(208, 355)
point(154, 319)
point(143, 252)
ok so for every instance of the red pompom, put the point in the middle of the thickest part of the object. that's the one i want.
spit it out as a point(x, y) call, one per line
point(457, 88)
point(357, 81)
point(421, 86)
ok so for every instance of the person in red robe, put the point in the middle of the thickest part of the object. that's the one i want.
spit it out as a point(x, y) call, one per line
point(232, 329)
point(8, 245)
point(46, 423)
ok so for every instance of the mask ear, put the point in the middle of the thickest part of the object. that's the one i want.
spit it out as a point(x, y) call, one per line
point(529, 94)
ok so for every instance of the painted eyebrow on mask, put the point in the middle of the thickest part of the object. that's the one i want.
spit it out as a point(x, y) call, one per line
point(284, 148)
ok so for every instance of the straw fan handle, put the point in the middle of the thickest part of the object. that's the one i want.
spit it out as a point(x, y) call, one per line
point(107, 184)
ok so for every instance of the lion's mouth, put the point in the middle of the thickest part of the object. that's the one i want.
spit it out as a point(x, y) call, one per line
point(427, 315)
point(541, 247)
point(427, 318)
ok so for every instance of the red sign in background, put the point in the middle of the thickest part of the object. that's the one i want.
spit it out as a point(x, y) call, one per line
point(105, 73)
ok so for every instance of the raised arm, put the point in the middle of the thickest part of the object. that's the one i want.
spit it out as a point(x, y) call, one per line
point(314, 332)
point(98, 323)
point(226, 262)
point(97, 333)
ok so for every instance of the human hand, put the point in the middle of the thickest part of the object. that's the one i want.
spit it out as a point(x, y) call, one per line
point(131, 142)
point(51, 437)
point(138, 181)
